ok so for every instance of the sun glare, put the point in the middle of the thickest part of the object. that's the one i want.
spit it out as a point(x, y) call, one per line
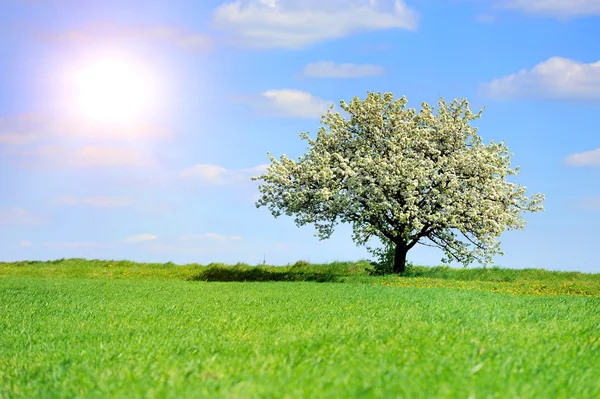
point(113, 90)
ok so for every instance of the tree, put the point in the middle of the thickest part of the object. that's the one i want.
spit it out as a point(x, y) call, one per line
point(404, 176)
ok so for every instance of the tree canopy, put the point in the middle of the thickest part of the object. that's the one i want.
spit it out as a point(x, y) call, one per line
point(403, 176)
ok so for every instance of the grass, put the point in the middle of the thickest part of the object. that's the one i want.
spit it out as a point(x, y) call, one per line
point(121, 329)
point(524, 281)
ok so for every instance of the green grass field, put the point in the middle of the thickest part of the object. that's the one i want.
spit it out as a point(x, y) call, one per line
point(78, 328)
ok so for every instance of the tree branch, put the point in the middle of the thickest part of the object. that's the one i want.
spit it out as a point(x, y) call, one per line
point(424, 232)
point(449, 249)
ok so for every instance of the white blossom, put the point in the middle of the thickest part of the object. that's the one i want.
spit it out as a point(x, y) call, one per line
point(405, 176)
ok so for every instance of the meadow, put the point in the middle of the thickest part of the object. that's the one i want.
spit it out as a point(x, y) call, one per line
point(78, 328)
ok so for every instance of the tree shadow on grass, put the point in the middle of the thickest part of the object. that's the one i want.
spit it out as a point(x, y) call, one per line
point(262, 274)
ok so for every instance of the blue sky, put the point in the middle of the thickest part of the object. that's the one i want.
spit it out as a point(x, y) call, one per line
point(130, 129)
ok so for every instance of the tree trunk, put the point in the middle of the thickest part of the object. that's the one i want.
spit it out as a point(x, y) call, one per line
point(400, 259)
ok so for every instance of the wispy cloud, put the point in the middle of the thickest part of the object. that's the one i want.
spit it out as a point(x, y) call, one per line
point(140, 238)
point(40, 140)
point(18, 216)
point(555, 78)
point(587, 158)
point(97, 202)
point(25, 243)
point(329, 69)
point(562, 9)
point(215, 175)
point(85, 157)
point(300, 23)
point(28, 128)
point(287, 103)
point(208, 173)
point(73, 244)
point(109, 156)
point(179, 37)
point(20, 129)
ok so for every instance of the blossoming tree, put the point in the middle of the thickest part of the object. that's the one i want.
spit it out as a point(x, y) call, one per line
point(403, 176)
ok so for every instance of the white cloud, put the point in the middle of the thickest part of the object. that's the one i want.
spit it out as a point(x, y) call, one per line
point(181, 38)
point(216, 175)
point(329, 69)
point(588, 158)
point(555, 78)
point(300, 23)
point(98, 202)
point(554, 8)
point(258, 170)
point(140, 238)
point(288, 103)
point(25, 243)
point(207, 173)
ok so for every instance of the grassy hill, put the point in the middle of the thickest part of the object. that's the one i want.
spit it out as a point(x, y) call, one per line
point(77, 328)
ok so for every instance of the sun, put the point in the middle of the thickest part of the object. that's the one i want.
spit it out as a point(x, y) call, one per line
point(113, 89)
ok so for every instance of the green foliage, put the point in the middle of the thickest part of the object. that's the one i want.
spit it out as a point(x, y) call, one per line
point(301, 264)
point(256, 273)
point(166, 337)
point(384, 259)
